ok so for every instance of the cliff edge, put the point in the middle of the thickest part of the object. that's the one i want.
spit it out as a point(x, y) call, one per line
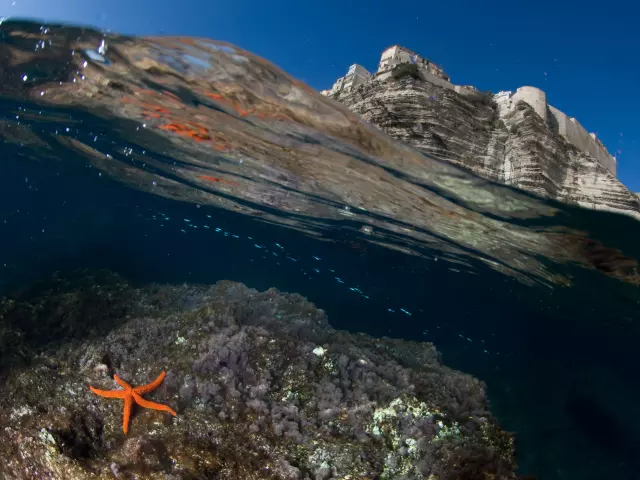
point(516, 147)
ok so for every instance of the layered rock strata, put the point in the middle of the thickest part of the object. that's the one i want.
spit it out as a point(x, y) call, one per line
point(519, 148)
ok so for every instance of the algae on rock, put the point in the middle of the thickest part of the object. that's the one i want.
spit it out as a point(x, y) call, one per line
point(263, 387)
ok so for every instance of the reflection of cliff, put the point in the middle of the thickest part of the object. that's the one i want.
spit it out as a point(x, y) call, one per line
point(513, 140)
point(207, 123)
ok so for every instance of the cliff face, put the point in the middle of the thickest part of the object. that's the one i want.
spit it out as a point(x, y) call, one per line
point(519, 149)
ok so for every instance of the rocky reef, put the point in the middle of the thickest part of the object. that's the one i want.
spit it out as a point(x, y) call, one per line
point(262, 385)
point(519, 149)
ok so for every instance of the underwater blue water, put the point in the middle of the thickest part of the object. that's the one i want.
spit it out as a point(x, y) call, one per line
point(560, 363)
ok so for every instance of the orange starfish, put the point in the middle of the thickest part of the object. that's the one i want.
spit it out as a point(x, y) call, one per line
point(132, 394)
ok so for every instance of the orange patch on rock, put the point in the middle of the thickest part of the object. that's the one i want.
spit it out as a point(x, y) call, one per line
point(209, 178)
point(195, 132)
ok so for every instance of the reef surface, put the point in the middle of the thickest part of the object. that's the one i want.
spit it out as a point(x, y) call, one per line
point(263, 387)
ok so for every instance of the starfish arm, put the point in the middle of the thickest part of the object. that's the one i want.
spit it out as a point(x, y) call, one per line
point(121, 382)
point(108, 393)
point(142, 389)
point(153, 405)
point(128, 403)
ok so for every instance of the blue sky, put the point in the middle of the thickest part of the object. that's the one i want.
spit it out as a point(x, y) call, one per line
point(584, 55)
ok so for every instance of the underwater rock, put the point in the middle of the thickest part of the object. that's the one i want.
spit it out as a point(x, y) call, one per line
point(263, 387)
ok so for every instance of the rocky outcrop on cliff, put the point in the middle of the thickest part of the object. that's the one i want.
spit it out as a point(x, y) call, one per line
point(519, 149)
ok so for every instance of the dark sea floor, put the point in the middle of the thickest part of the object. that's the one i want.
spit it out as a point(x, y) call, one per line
point(560, 363)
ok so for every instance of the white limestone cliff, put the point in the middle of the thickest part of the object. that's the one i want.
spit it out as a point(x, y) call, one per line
point(510, 142)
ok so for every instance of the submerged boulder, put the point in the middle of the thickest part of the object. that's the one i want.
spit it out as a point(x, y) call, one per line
point(262, 385)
